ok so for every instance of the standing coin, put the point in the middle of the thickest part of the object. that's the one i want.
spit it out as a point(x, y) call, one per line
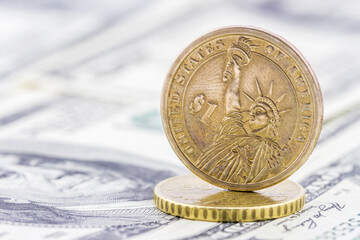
point(242, 108)
point(190, 197)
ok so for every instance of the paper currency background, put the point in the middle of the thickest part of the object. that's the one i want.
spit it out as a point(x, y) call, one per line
point(81, 142)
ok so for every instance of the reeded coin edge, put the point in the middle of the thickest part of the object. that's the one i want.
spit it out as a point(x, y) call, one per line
point(313, 135)
point(229, 214)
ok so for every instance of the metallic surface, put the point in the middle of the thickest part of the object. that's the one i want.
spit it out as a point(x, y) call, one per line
point(242, 108)
point(192, 198)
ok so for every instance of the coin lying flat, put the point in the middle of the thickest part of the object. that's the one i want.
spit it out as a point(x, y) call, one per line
point(242, 108)
point(192, 198)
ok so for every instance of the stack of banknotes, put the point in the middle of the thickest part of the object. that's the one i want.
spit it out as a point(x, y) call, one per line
point(81, 141)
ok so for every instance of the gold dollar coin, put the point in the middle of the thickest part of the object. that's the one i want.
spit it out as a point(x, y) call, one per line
point(190, 197)
point(242, 108)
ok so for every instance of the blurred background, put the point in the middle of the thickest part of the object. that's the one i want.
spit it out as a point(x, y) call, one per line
point(82, 80)
point(91, 72)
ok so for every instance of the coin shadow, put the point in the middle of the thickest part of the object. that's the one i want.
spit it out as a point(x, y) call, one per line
point(230, 198)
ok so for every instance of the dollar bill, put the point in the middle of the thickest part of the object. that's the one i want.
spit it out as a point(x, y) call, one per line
point(81, 152)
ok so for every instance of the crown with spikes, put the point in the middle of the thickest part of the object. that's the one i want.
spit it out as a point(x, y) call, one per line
point(244, 44)
point(267, 101)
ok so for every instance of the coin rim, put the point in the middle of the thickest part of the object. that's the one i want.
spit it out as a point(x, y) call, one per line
point(316, 95)
point(268, 211)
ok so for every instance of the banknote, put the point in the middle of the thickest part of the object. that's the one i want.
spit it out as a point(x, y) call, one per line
point(81, 141)
point(50, 189)
point(51, 186)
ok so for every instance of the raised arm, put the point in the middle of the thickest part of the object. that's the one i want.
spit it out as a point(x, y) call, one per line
point(232, 95)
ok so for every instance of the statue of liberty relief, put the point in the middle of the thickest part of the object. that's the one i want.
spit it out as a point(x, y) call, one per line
point(244, 151)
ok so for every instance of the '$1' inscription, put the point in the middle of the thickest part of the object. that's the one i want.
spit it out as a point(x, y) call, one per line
point(197, 105)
